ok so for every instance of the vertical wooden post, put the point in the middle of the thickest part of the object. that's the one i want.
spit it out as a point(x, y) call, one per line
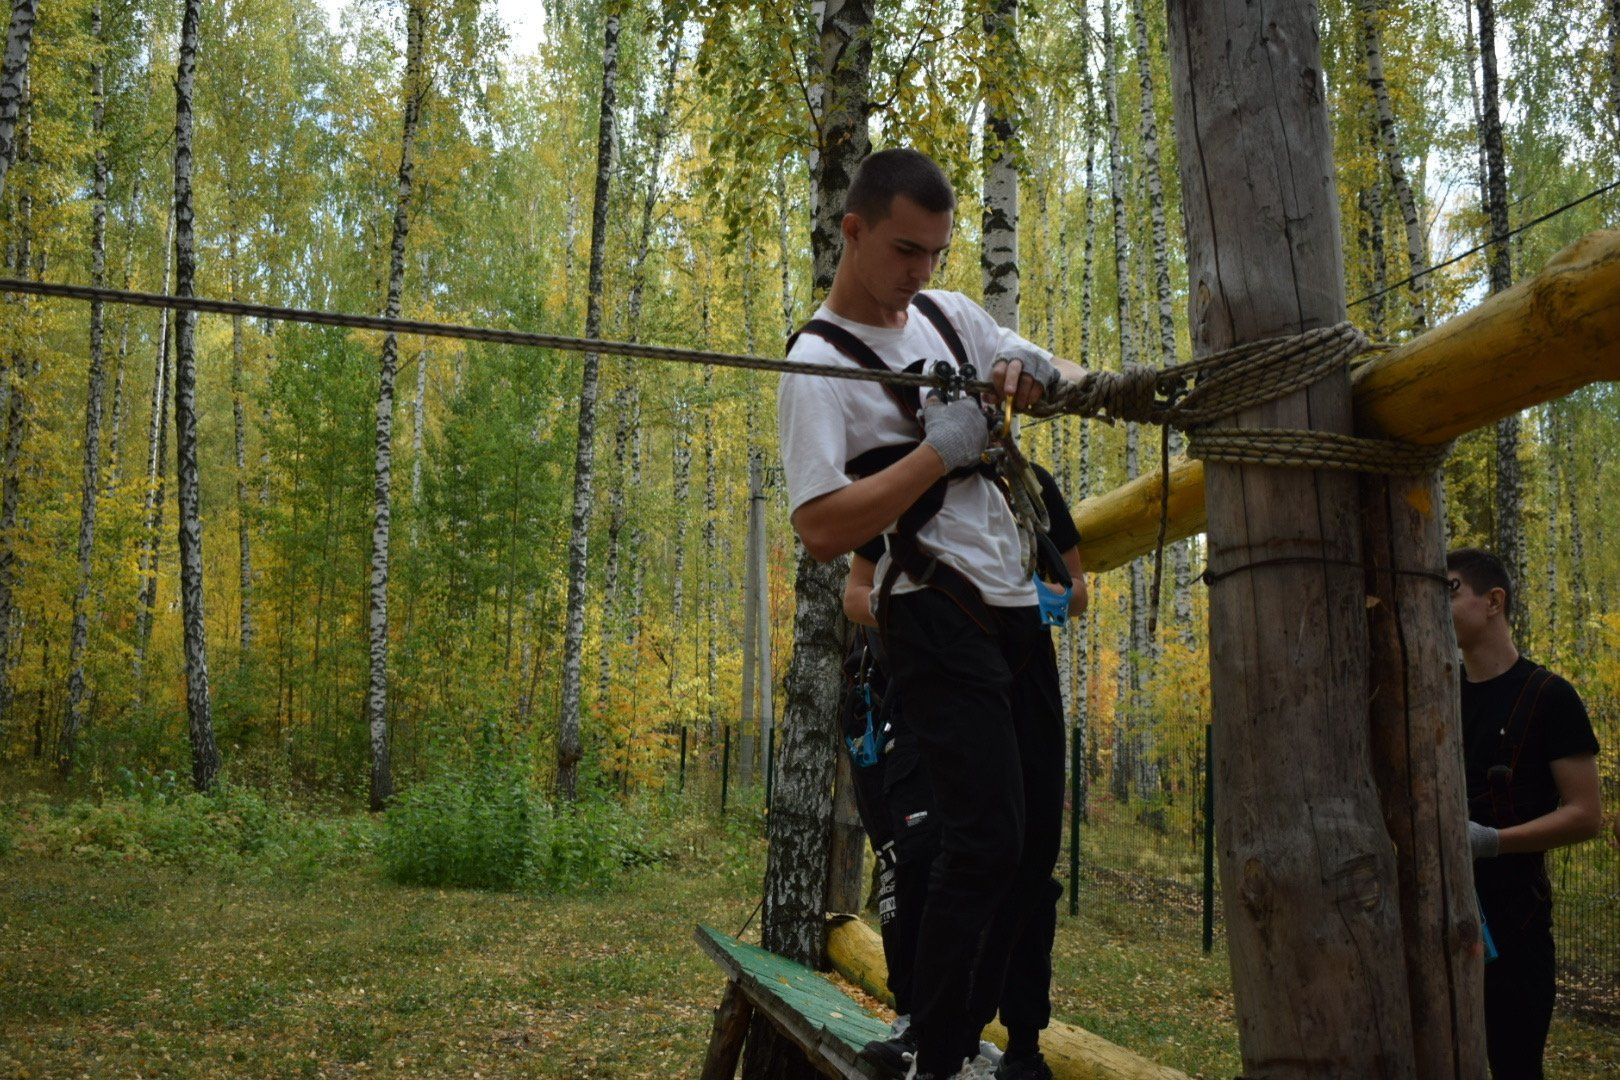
point(1417, 763)
point(1307, 868)
point(845, 880)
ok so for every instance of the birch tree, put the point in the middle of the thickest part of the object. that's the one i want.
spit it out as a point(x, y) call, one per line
point(1508, 517)
point(13, 80)
point(999, 254)
point(415, 94)
point(75, 718)
point(1152, 163)
point(569, 749)
point(1371, 19)
point(21, 361)
point(801, 827)
point(199, 709)
point(157, 440)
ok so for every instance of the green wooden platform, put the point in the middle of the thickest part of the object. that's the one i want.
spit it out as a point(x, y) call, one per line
point(828, 1024)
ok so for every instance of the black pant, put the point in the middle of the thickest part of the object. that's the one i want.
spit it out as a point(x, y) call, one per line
point(908, 803)
point(987, 713)
point(1520, 983)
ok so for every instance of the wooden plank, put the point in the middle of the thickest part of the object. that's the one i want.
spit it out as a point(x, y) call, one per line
point(804, 1006)
point(1543, 338)
point(731, 1018)
point(856, 952)
point(1307, 869)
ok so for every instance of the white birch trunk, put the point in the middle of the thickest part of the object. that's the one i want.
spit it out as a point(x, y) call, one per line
point(14, 81)
point(569, 749)
point(999, 255)
point(801, 825)
point(244, 542)
point(199, 709)
point(1509, 507)
point(1389, 146)
point(74, 722)
point(415, 92)
point(17, 382)
point(115, 436)
point(157, 438)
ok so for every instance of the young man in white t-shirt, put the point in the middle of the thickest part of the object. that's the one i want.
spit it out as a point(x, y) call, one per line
point(966, 646)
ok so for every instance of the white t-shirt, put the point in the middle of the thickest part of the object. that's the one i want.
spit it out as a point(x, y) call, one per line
point(823, 423)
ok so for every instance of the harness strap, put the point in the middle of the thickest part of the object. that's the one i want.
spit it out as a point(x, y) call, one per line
point(860, 352)
point(905, 553)
point(1499, 777)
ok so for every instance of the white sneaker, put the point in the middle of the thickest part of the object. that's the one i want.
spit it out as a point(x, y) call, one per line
point(980, 1068)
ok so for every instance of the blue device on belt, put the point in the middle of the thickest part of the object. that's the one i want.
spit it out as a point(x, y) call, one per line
point(866, 750)
point(1054, 601)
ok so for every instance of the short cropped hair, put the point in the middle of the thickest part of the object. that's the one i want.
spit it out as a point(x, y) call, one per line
point(1482, 572)
point(887, 173)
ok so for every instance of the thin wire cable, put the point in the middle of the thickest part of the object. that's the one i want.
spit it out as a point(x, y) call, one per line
point(1510, 234)
point(460, 331)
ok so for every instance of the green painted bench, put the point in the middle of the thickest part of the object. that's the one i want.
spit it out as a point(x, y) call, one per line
point(806, 1007)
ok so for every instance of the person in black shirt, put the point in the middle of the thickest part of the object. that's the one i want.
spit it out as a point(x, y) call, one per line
point(895, 798)
point(1531, 763)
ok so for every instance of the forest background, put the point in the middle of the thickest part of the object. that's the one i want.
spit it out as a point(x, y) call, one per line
point(297, 197)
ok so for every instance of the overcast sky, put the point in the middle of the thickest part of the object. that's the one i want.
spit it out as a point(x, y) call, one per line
point(522, 19)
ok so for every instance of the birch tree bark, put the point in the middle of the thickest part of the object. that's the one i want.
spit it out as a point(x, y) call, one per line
point(244, 543)
point(74, 722)
point(115, 437)
point(1307, 868)
point(1371, 17)
point(1614, 68)
point(13, 81)
point(157, 441)
point(998, 257)
point(569, 750)
point(1152, 163)
point(1509, 509)
point(199, 709)
point(17, 380)
point(801, 821)
point(1370, 201)
point(414, 94)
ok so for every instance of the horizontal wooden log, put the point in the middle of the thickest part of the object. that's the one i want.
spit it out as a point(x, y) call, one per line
point(1540, 340)
point(856, 952)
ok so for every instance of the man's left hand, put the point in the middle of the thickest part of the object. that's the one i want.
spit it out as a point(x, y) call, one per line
point(1023, 374)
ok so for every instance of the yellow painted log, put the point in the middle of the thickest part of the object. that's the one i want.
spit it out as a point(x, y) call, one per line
point(1545, 337)
point(856, 952)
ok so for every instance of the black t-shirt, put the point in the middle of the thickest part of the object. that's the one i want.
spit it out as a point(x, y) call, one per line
point(1558, 727)
point(1062, 531)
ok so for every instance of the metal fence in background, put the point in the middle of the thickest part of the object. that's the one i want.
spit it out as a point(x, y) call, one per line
point(1156, 853)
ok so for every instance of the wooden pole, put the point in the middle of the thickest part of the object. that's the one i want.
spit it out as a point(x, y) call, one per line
point(1307, 869)
point(1543, 338)
point(1417, 762)
point(844, 870)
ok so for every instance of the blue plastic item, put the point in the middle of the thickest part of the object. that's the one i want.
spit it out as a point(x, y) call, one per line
point(1054, 601)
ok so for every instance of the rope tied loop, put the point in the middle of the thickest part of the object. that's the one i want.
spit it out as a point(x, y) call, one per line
point(1195, 396)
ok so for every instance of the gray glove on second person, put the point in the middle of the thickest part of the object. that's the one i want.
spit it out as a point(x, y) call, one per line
point(956, 429)
point(1484, 842)
point(1037, 363)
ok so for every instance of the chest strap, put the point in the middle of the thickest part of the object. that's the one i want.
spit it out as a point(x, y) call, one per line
point(1515, 733)
point(906, 554)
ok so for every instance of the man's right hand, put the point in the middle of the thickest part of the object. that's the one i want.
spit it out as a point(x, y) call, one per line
point(957, 430)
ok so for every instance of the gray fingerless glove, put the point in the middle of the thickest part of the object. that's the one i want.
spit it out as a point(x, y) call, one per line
point(1484, 842)
point(956, 429)
point(1037, 363)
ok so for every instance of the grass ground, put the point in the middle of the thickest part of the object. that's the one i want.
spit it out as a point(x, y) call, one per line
point(128, 969)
